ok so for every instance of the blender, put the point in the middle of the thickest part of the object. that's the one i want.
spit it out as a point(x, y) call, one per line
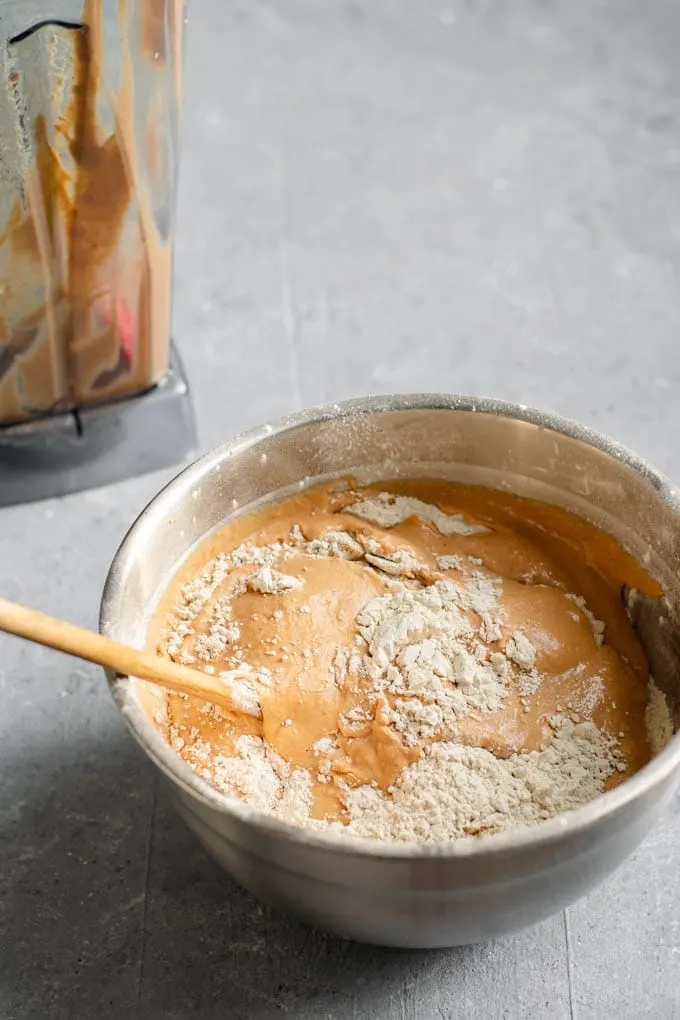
point(91, 388)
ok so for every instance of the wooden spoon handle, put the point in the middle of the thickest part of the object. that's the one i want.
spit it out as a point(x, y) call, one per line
point(86, 644)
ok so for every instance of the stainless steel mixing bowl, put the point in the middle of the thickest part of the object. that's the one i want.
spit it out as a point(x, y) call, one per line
point(408, 895)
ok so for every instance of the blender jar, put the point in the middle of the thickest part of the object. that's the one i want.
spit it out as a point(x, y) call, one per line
point(89, 115)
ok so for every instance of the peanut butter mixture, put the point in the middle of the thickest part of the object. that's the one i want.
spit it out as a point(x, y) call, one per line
point(415, 660)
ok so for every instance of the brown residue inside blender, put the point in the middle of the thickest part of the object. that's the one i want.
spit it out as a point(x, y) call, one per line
point(84, 268)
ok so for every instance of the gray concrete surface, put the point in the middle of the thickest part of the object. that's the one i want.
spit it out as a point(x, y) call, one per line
point(376, 195)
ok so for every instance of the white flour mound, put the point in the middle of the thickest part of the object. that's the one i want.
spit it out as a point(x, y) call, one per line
point(420, 646)
point(270, 582)
point(261, 777)
point(386, 510)
point(456, 791)
point(657, 719)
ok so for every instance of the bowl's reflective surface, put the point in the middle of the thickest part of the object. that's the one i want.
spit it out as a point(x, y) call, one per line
point(406, 895)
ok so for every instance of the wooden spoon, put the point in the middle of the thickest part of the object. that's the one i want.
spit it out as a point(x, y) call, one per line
point(127, 661)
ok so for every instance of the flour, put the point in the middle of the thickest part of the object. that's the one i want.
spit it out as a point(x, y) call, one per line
point(324, 745)
point(584, 706)
point(222, 632)
point(420, 644)
point(455, 791)
point(195, 595)
point(192, 599)
point(520, 650)
point(596, 626)
point(418, 720)
point(386, 510)
point(400, 564)
point(490, 629)
point(270, 582)
point(338, 544)
point(449, 562)
point(479, 593)
point(261, 556)
point(259, 776)
point(657, 718)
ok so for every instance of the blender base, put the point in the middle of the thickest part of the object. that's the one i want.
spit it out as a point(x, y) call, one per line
point(99, 445)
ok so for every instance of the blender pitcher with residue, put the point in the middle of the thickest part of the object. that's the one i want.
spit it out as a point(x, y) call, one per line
point(89, 116)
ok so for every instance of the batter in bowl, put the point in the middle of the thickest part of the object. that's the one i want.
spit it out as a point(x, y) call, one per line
point(428, 661)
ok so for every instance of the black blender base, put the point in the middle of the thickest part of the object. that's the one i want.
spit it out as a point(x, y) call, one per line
point(100, 445)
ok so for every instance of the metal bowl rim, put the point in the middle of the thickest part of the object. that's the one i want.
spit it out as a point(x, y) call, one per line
point(515, 840)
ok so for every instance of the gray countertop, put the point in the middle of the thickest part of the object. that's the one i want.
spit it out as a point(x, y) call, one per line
point(376, 195)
